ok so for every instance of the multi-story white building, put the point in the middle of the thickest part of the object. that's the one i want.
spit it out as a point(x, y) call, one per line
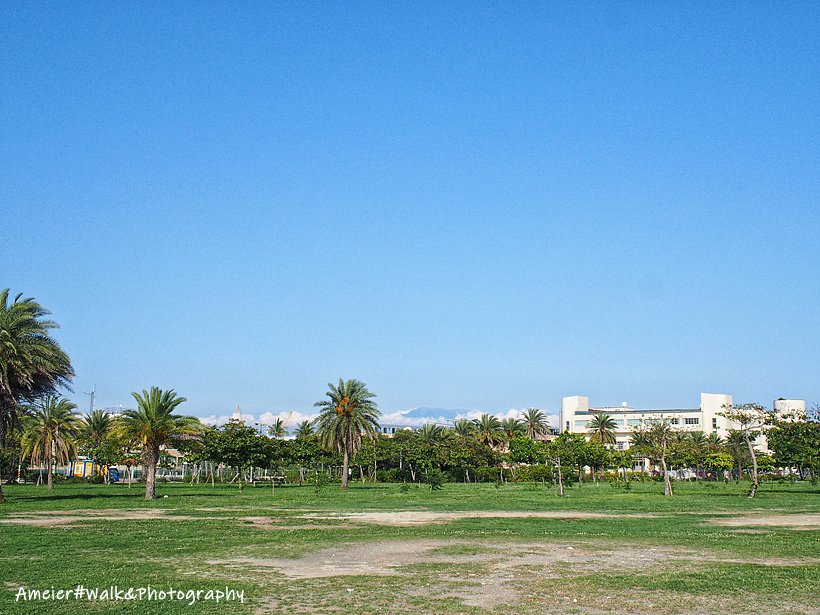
point(576, 415)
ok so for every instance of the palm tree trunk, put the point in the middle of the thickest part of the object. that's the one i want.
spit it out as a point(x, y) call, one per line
point(754, 467)
point(50, 483)
point(2, 447)
point(151, 458)
point(345, 463)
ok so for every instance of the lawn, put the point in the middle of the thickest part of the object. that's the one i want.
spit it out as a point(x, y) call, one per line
point(377, 549)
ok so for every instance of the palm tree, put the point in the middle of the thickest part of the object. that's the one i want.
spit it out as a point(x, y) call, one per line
point(735, 445)
point(488, 430)
point(431, 433)
point(535, 423)
point(50, 433)
point(97, 425)
point(348, 412)
point(714, 442)
point(603, 429)
point(640, 443)
point(153, 425)
point(32, 364)
point(512, 427)
point(463, 430)
point(698, 439)
point(303, 429)
point(277, 430)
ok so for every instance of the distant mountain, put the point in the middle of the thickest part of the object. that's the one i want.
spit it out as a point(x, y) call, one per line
point(415, 417)
point(447, 413)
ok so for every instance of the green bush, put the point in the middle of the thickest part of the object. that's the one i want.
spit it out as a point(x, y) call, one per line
point(435, 478)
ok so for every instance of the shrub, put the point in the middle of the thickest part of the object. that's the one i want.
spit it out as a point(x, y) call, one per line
point(435, 478)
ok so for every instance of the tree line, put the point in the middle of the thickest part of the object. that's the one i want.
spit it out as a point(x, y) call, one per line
point(39, 427)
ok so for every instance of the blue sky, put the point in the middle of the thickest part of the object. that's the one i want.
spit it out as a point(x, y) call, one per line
point(466, 205)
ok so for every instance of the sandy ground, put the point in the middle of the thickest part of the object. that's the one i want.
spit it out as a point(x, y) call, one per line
point(78, 518)
point(806, 521)
point(746, 521)
point(484, 574)
point(425, 517)
point(497, 586)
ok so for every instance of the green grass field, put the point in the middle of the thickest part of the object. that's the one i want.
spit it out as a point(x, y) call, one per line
point(375, 549)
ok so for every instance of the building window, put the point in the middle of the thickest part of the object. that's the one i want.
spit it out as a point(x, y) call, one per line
point(581, 424)
point(567, 426)
point(619, 446)
point(692, 420)
point(714, 424)
point(633, 422)
point(675, 421)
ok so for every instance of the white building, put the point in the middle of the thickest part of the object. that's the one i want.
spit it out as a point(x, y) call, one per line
point(576, 415)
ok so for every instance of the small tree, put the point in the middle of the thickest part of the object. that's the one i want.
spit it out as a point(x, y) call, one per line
point(718, 462)
point(796, 444)
point(563, 452)
point(661, 441)
point(237, 445)
point(752, 420)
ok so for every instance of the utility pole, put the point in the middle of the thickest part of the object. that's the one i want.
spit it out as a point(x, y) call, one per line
point(93, 393)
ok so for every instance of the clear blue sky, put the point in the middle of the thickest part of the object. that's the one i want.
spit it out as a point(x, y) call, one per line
point(466, 205)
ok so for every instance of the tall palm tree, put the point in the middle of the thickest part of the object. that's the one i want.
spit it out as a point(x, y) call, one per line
point(32, 364)
point(277, 430)
point(512, 427)
point(50, 433)
point(303, 429)
point(535, 422)
point(488, 430)
point(154, 425)
point(348, 412)
point(603, 429)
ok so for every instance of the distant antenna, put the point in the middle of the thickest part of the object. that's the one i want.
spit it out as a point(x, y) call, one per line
point(93, 393)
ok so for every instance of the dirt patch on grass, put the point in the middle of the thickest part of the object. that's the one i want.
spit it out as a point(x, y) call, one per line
point(80, 517)
point(406, 518)
point(805, 521)
point(77, 518)
point(268, 523)
point(479, 574)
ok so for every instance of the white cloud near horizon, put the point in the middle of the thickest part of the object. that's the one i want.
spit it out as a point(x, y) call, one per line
point(292, 419)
